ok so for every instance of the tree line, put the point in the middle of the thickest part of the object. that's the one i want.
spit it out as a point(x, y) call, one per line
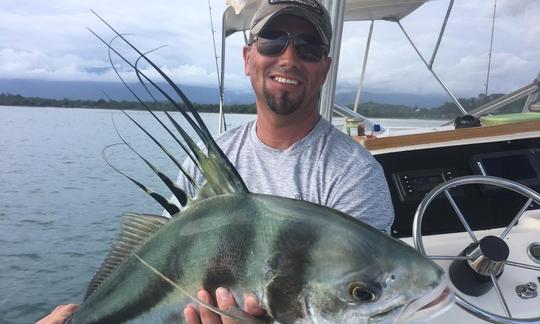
point(446, 111)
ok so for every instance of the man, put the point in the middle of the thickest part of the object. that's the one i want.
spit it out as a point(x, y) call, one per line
point(290, 150)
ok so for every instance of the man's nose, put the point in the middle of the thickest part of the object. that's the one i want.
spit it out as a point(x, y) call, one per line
point(289, 55)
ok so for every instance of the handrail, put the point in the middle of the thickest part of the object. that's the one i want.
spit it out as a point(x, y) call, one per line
point(348, 113)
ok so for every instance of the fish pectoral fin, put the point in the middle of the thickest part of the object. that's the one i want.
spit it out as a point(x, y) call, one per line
point(234, 313)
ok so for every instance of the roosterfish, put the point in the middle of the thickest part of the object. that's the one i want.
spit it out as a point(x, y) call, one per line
point(306, 263)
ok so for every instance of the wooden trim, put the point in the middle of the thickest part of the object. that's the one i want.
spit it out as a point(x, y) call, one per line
point(449, 135)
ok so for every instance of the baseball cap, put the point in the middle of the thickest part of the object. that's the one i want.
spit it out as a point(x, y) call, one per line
point(310, 10)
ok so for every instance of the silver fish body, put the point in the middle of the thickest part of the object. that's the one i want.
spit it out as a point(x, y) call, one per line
point(305, 262)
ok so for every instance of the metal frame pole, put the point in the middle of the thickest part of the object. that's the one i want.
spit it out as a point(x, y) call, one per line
point(222, 126)
point(336, 8)
point(364, 65)
point(463, 111)
point(443, 28)
point(491, 46)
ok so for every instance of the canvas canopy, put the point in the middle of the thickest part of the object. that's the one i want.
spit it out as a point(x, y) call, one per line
point(238, 15)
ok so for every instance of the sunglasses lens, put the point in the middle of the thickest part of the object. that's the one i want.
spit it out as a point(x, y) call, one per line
point(272, 42)
point(308, 48)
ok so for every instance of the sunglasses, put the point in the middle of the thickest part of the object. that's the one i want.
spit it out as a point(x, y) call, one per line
point(274, 42)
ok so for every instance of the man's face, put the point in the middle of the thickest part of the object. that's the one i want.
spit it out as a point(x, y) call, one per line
point(286, 83)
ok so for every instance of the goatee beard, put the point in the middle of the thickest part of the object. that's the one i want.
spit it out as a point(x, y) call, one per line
point(282, 105)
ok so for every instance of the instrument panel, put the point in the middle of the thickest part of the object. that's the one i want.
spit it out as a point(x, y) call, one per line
point(414, 185)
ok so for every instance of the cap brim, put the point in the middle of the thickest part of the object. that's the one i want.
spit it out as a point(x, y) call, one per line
point(259, 26)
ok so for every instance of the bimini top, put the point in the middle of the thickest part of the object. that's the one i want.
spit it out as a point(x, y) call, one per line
point(238, 15)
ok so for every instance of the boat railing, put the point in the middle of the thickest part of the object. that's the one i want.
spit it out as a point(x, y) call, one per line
point(348, 113)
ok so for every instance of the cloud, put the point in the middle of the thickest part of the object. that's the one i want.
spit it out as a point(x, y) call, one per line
point(517, 8)
point(462, 58)
point(21, 64)
point(49, 40)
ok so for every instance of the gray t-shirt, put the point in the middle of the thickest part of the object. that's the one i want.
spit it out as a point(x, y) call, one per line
point(326, 167)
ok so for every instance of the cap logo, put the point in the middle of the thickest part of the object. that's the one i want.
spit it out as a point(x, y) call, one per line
point(313, 5)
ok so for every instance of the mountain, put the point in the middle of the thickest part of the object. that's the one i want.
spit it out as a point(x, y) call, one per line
point(407, 99)
point(89, 90)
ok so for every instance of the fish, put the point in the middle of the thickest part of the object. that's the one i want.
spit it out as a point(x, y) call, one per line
point(305, 263)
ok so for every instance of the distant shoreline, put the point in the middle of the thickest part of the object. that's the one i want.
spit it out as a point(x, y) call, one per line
point(369, 109)
point(20, 101)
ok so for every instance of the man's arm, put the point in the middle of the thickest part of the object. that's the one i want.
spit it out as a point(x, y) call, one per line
point(363, 193)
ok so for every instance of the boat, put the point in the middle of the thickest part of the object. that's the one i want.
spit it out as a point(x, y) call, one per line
point(464, 193)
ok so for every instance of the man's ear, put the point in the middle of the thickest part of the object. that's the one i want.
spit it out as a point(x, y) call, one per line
point(246, 53)
point(327, 62)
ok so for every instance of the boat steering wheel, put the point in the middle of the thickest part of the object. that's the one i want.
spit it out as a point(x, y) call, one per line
point(486, 257)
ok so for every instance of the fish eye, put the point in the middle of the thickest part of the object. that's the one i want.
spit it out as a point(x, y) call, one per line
point(361, 293)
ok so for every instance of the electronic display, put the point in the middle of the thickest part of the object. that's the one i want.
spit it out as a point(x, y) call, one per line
point(512, 167)
point(414, 185)
point(522, 166)
point(425, 183)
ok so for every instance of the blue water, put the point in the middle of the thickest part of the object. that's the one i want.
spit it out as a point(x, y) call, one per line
point(60, 203)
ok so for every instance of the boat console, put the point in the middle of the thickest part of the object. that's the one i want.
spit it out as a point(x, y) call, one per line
point(472, 205)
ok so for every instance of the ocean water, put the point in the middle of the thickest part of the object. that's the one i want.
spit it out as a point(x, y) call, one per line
point(60, 203)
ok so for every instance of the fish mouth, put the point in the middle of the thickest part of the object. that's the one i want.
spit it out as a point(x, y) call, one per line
point(387, 315)
point(428, 306)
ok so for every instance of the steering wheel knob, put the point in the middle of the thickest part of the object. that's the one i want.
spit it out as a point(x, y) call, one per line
point(488, 256)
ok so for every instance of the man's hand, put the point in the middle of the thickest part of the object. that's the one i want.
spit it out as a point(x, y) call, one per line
point(225, 301)
point(59, 314)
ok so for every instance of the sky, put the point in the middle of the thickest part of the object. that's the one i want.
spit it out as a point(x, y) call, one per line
point(49, 40)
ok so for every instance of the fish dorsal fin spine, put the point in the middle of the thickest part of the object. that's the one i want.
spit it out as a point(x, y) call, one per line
point(220, 174)
point(136, 228)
